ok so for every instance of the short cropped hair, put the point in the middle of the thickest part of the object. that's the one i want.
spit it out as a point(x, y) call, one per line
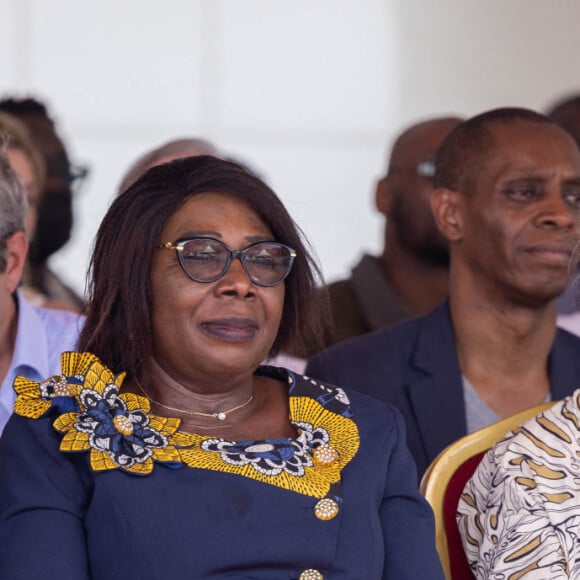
point(119, 318)
point(12, 206)
point(15, 135)
point(458, 159)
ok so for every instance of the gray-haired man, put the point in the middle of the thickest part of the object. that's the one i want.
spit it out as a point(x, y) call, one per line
point(31, 338)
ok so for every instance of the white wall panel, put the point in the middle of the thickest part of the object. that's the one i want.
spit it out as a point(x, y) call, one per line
point(468, 55)
point(135, 62)
point(305, 66)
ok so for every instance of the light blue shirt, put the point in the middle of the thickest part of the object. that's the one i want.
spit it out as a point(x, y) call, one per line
point(42, 335)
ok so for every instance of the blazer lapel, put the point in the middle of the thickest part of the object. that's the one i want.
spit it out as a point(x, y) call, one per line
point(436, 391)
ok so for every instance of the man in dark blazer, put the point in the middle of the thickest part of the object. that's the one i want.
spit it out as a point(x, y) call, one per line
point(507, 198)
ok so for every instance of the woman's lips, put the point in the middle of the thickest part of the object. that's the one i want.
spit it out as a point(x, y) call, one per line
point(235, 329)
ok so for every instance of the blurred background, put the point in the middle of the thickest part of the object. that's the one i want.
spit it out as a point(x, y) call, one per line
point(308, 93)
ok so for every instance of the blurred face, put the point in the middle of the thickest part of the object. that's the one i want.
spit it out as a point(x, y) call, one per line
point(14, 256)
point(25, 172)
point(53, 151)
point(569, 119)
point(411, 184)
point(202, 330)
point(520, 222)
point(55, 210)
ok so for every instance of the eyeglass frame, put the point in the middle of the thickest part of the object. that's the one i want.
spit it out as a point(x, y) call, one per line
point(73, 174)
point(425, 169)
point(178, 246)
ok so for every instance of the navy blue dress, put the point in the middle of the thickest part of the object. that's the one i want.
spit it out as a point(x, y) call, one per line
point(94, 486)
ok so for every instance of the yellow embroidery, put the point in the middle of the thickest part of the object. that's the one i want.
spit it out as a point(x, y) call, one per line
point(34, 399)
point(119, 432)
point(127, 412)
point(316, 479)
point(116, 428)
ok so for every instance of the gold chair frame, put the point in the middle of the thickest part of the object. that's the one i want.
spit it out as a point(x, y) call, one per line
point(437, 477)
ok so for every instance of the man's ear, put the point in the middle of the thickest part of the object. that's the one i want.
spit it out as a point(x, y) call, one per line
point(447, 211)
point(15, 251)
point(383, 196)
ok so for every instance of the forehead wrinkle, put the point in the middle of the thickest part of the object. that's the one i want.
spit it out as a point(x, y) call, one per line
point(514, 163)
point(258, 238)
point(200, 234)
point(250, 238)
point(204, 215)
point(526, 174)
point(530, 171)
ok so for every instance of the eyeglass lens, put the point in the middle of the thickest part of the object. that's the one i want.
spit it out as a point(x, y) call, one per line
point(426, 169)
point(206, 260)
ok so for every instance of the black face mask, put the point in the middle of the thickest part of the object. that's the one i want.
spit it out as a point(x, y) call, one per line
point(54, 225)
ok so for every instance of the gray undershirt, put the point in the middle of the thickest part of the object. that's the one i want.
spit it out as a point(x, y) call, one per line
point(477, 413)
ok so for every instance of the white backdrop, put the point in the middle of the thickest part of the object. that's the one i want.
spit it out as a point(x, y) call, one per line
point(309, 93)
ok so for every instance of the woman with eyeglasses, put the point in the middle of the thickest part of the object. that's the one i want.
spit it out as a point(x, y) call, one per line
point(165, 450)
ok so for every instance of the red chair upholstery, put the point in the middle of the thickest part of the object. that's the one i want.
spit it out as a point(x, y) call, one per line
point(457, 560)
point(443, 484)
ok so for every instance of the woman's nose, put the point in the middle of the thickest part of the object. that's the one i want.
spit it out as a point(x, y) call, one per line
point(235, 281)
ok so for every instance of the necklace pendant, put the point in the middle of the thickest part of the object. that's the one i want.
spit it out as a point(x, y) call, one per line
point(220, 416)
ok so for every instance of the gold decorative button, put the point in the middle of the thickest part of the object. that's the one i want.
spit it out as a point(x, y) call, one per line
point(55, 386)
point(324, 454)
point(326, 509)
point(123, 424)
point(311, 574)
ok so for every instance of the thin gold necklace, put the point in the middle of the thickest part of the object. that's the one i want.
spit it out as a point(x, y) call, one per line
point(221, 415)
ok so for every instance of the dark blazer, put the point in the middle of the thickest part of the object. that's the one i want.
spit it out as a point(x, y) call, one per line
point(413, 366)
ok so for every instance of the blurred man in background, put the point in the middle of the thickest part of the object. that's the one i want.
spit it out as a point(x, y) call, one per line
point(566, 113)
point(411, 275)
point(55, 215)
point(168, 151)
point(31, 338)
point(27, 162)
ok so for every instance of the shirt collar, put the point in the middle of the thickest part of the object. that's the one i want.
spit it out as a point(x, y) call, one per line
point(34, 357)
point(29, 358)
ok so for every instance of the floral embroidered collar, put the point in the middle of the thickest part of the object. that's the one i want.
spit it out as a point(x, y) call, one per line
point(119, 431)
point(117, 428)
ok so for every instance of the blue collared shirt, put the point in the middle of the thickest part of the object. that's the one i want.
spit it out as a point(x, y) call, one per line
point(42, 335)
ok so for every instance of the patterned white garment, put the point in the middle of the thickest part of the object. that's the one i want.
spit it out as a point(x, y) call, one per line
point(519, 515)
